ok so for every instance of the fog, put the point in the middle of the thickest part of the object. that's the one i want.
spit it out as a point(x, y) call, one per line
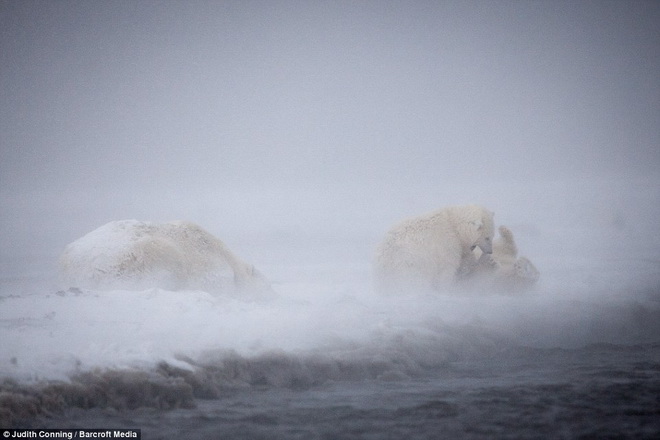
point(298, 133)
point(303, 121)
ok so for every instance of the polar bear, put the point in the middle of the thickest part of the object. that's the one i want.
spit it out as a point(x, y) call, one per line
point(131, 254)
point(426, 253)
point(501, 271)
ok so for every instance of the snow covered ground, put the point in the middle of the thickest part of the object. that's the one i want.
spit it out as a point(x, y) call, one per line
point(600, 284)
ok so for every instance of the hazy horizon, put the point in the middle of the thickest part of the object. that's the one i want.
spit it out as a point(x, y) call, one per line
point(149, 110)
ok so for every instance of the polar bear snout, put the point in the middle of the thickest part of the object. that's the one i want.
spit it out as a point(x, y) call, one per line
point(486, 249)
point(486, 245)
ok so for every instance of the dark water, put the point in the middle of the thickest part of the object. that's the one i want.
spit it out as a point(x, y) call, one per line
point(597, 391)
point(577, 358)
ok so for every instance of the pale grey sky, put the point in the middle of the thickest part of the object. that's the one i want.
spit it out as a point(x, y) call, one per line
point(207, 93)
point(304, 119)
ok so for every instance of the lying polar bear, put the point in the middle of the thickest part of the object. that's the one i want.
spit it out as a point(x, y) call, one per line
point(502, 271)
point(131, 254)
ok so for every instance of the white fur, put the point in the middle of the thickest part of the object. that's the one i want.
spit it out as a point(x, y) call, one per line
point(131, 254)
point(502, 271)
point(425, 253)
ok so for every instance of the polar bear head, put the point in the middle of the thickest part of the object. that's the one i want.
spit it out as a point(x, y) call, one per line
point(480, 228)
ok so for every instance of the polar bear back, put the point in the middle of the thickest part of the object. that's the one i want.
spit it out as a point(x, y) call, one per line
point(131, 254)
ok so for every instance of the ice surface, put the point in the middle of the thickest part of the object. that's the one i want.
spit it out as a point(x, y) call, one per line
point(599, 283)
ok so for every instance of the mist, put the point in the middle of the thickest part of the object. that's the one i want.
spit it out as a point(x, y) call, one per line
point(298, 133)
point(220, 112)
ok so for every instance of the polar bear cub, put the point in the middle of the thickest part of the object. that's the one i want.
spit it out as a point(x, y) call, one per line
point(503, 270)
point(131, 254)
point(426, 253)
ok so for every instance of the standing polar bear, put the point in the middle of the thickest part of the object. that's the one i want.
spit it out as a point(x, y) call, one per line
point(427, 253)
point(131, 254)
